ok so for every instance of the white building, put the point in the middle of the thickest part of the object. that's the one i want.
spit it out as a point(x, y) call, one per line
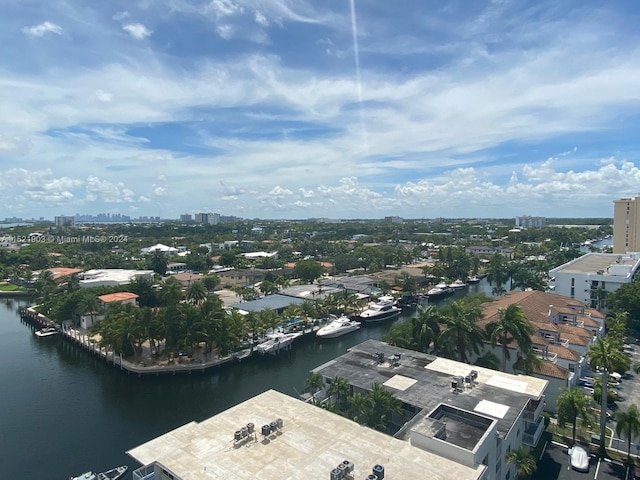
point(273, 436)
point(468, 414)
point(159, 247)
point(526, 221)
point(587, 278)
point(110, 277)
point(210, 218)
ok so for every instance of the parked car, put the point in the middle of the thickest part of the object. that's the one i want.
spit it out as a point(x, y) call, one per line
point(635, 473)
point(579, 458)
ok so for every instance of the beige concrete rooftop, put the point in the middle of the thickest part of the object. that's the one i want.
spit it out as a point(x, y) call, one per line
point(311, 443)
point(516, 383)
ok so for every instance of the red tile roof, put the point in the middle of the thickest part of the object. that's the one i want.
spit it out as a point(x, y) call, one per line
point(117, 297)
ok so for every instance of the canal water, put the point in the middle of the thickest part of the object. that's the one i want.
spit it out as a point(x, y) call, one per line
point(64, 411)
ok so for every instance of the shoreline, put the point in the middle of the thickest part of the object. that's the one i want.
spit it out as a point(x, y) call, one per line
point(139, 367)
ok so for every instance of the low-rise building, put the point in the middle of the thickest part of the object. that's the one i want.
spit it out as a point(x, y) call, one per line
point(111, 277)
point(273, 436)
point(564, 330)
point(468, 414)
point(589, 277)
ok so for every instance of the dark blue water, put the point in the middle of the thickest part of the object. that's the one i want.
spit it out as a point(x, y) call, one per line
point(64, 411)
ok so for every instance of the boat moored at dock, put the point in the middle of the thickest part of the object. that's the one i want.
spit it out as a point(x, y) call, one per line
point(384, 309)
point(338, 327)
point(47, 332)
point(113, 474)
point(277, 341)
point(440, 290)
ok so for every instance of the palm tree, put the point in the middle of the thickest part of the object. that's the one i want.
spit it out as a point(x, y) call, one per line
point(171, 292)
point(528, 363)
point(340, 389)
point(571, 406)
point(497, 271)
point(461, 330)
point(512, 325)
point(425, 327)
point(90, 304)
point(606, 355)
point(380, 405)
point(524, 462)
point(629, 425)
point(197, 292)
point(314, 383)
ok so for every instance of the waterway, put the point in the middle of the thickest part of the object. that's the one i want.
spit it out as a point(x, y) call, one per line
point(64, 411)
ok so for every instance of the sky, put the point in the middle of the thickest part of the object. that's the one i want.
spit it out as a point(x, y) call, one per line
point(293, 109)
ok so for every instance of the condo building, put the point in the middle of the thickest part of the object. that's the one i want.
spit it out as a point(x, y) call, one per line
point(626, 225)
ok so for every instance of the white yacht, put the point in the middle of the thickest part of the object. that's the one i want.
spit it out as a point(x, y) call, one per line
point(277, 341)
point(440, 290)
point(338, 327)
point(457, 285)
point(384, 309)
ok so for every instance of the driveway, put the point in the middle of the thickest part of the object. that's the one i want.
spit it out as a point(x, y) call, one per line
point(554, 465)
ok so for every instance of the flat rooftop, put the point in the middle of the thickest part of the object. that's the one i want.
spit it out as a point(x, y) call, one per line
point(424, 381)
point(311, 443)
point(599, 262)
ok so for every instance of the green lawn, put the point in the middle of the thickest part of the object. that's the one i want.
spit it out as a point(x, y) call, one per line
point(10, 287)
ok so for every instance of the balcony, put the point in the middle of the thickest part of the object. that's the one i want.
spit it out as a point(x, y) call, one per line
point(533, 410)
point(533, 433)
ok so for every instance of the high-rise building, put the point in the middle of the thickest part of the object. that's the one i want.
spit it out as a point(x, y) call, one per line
point(527, 221)
point(626, 225)
point(64, 221)
point(210, 218)
point(186, 217)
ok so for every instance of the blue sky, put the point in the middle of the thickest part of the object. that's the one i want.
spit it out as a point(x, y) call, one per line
point(339, 109)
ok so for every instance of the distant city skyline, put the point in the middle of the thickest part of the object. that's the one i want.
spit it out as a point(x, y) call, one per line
point(280, 109)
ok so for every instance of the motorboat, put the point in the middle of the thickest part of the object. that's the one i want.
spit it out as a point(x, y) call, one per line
point(385, 308)
point(47, 332)
point(338, 327)
point(440, 290)
point(457, 285)
point(473, 279)
point(408, 301)
point(113, 474)
point(277, 341)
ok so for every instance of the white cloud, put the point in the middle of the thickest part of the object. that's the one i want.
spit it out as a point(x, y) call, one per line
point(120, 15)
point(160, 191)
point(109, 192)
point(260, 19)
point(137, 30)
point(225, 8)
point(103, 96)
point(42, 29)
point(225, 31)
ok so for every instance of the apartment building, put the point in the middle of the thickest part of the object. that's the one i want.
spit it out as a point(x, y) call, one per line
point(626, 225)
point(273, 436)
point(468, 414)
point(588, 278)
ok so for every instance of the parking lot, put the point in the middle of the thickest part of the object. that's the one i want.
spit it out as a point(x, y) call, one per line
point(554, 464)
